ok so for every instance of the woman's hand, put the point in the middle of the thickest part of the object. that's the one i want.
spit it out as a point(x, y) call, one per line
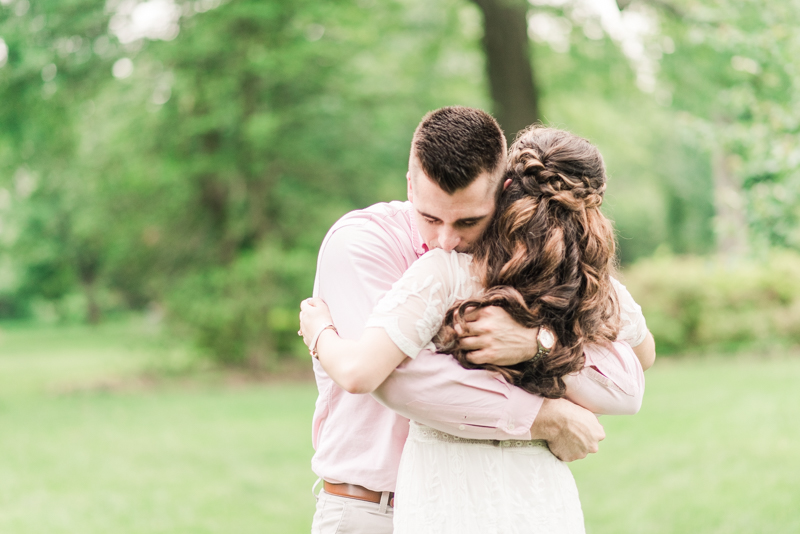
point(314, 314)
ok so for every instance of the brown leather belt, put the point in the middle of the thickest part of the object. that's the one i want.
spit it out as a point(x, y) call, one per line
point(355, 492)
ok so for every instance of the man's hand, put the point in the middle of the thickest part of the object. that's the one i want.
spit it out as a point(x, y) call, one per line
point(571, 432)
point(492, 336)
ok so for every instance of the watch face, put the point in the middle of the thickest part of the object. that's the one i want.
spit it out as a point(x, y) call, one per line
point(546, 338)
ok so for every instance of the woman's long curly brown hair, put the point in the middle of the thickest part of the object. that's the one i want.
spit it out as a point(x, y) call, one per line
point(547, 257)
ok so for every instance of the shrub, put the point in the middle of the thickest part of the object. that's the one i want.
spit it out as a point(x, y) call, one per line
point(703, 304)
point(245, 314)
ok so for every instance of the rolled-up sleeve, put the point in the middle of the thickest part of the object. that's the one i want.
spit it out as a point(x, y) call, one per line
point(611, 382)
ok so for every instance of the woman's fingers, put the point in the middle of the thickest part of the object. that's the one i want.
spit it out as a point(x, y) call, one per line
point(314, 314)
point(311, 303)
point(306, 307)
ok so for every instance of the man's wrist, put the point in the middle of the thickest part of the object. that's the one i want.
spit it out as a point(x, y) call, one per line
point(533, 349)
point(545, 426)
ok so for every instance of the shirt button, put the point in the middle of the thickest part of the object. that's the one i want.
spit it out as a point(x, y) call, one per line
point(461, 427)
point(511, 426)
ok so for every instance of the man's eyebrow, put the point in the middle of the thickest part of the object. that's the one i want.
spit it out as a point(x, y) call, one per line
point(428, 216)
point(461, 221)
point(472, 219)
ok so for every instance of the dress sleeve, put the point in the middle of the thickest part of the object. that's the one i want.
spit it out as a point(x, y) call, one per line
point(412, 312)
point(633, 327)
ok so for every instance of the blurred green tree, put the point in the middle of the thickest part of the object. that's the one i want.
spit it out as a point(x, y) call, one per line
point(192, 155)
point(735, 71)
point(210, 151)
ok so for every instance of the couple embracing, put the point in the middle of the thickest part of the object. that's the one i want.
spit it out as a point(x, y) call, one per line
point(464, 340)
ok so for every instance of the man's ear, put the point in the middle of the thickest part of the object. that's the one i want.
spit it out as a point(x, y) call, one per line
point(505, 184)
point(409, 192)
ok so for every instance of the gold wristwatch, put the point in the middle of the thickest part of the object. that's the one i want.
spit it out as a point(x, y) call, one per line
point(546, 340)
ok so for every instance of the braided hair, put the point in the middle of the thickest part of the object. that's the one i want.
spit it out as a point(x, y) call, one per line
point(547, 257)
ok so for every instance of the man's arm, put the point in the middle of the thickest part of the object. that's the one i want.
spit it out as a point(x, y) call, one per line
point(612, 383)
point(571, 432)
point(435, 390)
point(417, 389)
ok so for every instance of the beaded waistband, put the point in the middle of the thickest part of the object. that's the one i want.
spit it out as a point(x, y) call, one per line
point(425, 433)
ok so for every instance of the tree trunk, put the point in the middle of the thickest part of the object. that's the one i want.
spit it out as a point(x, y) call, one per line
point(508, 62)
point(87, 260)
point(93, 313)
point(729, 203)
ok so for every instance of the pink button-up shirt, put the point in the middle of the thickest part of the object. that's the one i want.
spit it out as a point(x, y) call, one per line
point(358, 439)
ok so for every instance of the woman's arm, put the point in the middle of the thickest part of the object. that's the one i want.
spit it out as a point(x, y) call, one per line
point(402, 324)
point(356, 366)
point(646, 351)
point(633, 327)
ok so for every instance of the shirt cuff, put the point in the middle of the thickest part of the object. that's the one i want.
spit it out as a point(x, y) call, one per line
point(526, 407)
point(616, 367)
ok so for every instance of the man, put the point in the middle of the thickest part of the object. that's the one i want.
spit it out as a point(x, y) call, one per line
point(455, 173)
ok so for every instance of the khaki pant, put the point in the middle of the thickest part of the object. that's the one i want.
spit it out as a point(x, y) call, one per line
point(343, 515)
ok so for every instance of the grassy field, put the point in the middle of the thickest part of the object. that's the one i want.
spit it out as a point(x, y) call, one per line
point(713, 450)
point(88, 446)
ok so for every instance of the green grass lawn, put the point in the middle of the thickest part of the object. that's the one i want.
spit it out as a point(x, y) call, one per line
point(179, 457)
point(713, 450)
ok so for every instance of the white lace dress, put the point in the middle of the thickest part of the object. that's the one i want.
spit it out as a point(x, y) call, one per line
point(448, 484)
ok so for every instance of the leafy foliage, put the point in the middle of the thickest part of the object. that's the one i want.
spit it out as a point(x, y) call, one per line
point(224, 151)
point(196, 165)
point(735, 70)
point(694, 303)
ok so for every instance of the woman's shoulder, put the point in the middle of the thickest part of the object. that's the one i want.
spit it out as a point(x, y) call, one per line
point(454, 268)
point(445, 260)
point(442, 255)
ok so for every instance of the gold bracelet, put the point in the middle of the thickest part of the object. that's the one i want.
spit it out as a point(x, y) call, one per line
point(312, 347)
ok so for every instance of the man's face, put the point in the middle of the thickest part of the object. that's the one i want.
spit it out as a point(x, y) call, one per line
point(450, 222)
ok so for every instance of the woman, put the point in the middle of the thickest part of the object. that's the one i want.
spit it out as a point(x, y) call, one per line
point(547, 259)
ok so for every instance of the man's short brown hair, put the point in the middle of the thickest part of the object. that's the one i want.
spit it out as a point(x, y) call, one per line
point(456, 144)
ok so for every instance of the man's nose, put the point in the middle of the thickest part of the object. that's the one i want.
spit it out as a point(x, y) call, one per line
point(449, 239)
